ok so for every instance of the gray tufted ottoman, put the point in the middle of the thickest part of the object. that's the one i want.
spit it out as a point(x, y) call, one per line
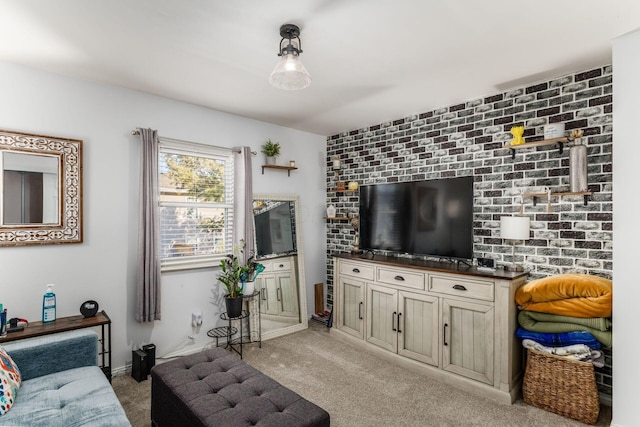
point(214, 388)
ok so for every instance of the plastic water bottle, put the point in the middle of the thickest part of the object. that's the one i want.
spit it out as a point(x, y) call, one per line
point(49, 305)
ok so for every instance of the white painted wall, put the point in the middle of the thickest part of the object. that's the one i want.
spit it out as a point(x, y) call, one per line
point(626, 232)
point(103, 267)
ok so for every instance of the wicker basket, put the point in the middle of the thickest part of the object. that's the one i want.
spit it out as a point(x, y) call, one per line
point(563, 386)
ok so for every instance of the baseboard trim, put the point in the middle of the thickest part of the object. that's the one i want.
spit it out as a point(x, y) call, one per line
point(285, 331)
point(122, 370)
point(126, 369)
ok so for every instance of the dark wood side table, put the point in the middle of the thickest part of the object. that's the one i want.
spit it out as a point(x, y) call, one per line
point(63, 324)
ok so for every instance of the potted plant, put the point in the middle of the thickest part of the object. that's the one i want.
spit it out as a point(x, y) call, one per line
point(271, 150)
point(252, 269)
point(235, 272)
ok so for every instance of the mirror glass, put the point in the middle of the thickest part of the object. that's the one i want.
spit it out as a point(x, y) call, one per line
point(30, 188)
point(279, 249)
point(275, 228)
point(40, 189)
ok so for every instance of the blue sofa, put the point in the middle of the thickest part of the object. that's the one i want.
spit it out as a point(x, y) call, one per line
point(62, 384)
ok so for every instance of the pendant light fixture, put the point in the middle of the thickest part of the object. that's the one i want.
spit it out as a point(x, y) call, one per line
point(290, 73)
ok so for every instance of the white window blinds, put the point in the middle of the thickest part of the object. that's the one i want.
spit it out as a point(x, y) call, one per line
point(196, 204)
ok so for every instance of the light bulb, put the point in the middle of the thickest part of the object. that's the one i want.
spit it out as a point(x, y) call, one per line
point(290, 63)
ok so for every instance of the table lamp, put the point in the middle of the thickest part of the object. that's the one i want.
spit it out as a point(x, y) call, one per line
point(514, 228)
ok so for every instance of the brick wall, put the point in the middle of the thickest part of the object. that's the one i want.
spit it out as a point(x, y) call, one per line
point(469, 139)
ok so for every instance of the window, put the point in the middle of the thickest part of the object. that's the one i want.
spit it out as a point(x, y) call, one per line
point(195, 204)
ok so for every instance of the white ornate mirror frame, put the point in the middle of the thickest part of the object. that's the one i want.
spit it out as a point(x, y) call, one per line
point(302, 295)
point(67, 225)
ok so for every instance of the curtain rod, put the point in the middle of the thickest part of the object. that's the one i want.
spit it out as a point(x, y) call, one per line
point(137, 132)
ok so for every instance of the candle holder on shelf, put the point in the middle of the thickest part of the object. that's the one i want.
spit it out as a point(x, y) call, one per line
point(356, 243)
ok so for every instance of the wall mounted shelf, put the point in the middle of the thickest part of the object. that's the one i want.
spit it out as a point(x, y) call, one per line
point(555, 141)
point(342, 191)
point(339, 218)
point(285, 168)
point(586, 194)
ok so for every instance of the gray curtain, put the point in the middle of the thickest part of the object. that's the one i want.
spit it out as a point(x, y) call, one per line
point(243, 199)
point(148, 272)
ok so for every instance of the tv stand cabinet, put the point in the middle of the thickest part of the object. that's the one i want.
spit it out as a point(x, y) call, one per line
point(448, 320)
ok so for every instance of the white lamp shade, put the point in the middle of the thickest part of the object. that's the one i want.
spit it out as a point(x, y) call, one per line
point(290, 73)
point(515, 227)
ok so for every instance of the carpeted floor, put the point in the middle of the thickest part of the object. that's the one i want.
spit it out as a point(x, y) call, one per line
point(359, 389)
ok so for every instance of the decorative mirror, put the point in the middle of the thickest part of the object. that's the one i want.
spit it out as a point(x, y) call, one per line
point(40, 189)
point(278, 234)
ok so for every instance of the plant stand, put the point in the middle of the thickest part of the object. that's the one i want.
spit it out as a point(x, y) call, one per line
point(254, 326)
point(221, 332)
point(233, 344)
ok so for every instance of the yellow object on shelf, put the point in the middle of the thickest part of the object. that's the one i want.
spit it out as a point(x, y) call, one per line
point(517, 132)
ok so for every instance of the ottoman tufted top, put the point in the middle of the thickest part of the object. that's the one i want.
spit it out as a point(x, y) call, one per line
point(220, 390)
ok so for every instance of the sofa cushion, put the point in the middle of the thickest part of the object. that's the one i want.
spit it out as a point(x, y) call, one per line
point(9, 382)
point(54, 353)
point(75, 397)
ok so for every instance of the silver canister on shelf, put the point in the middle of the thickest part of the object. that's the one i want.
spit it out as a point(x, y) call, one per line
point(578, 166)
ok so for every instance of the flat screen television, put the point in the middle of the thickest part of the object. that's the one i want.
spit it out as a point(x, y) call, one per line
point(430, 218)
point(274, 231)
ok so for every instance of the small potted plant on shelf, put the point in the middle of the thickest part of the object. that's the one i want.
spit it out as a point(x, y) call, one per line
point(271, 150)
point(235, 273)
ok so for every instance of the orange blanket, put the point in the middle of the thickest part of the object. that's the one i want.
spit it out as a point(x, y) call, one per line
point(576, 295)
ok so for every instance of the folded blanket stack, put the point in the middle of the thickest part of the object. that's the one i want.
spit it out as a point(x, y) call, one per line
point(566, 315)
point(581, 352)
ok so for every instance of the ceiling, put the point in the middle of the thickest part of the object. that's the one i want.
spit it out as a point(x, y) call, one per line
point(371, 60)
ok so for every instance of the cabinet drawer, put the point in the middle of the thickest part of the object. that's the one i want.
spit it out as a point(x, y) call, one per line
point(476, 289)
point(404, 278)
point(354, 269)
point(277, 265)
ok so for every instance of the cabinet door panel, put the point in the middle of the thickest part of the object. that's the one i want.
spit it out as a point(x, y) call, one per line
point(382, 317)
point(288, 297)
point(418, 327)
point(468, 339)
point(271, 286)
point(351, 307)
point(262, 288)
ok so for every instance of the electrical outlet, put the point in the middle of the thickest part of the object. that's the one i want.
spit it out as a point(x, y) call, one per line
point(196, 319)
